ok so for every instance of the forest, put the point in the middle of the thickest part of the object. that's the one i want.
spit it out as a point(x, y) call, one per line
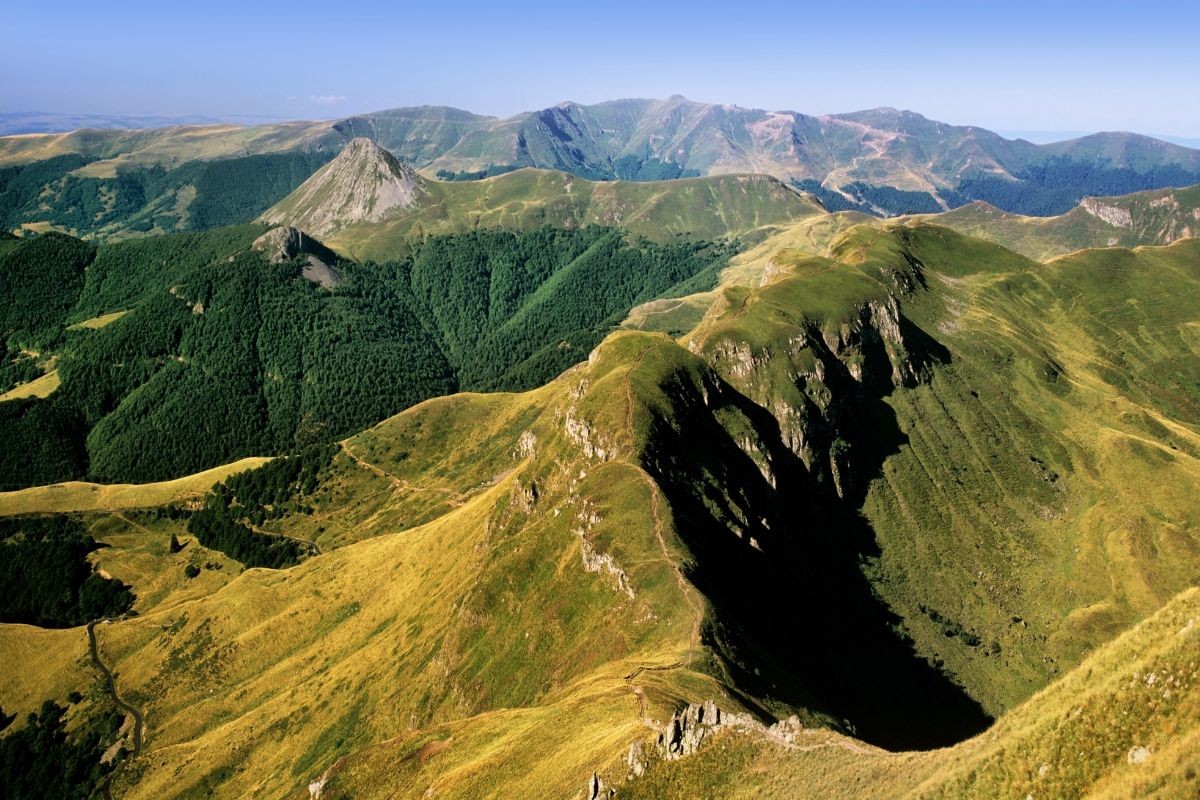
point(47, 578)
point(247, 499)
point(140, 199)
point(42, 760)
point(223, 355)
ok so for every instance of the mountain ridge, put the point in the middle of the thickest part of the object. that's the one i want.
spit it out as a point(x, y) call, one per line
point(933, 165)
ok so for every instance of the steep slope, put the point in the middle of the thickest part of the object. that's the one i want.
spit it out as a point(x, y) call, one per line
point(1121, 724)
point(1145, 218)
point(887, 491)
point(987, 468)
point(365, 183)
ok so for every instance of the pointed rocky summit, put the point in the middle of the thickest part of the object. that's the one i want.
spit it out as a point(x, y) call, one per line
point(363, 184)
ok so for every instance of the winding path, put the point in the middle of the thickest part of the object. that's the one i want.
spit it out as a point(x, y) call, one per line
point(139, 721)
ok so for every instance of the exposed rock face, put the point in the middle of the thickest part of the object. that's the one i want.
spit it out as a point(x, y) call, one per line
point(688, 729)
point(286, 243)
point(363, 184)
point(834, 370)
point(596, 790)
point(1114, 215)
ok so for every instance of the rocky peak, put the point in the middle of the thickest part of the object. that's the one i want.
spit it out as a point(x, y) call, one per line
point(363, 184)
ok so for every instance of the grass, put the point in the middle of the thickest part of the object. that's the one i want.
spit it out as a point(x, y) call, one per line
point(38, 387)
point(95, 323)
point(1039, 493)
point(1155, 217)
point(1017, 440)
point(747, 206)
point(76, 496)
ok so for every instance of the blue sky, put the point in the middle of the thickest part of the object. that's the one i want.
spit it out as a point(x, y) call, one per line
point(1010, 66)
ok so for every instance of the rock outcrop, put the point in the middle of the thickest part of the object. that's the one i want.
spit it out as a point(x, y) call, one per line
point(364, 183)
point(286, 243)
point(686, 732)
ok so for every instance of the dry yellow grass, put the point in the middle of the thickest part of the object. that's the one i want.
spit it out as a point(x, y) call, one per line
point(95, 323)
point(74, 496)
point(38, 387)
point(38, 664)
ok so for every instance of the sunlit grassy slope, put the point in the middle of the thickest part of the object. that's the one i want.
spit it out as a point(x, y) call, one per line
point(1161, 216)
point(749, 206)
point(884, 488)
point(73, 496)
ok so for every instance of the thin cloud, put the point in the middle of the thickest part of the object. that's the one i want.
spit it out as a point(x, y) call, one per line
point(327, 99)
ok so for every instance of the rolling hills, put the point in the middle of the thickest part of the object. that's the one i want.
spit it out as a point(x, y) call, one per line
point(893, 490)
point(1156, 217)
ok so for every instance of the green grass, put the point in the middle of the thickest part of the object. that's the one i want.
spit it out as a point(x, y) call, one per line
point(999, 452)
point(747, 206)
point(1156, 217)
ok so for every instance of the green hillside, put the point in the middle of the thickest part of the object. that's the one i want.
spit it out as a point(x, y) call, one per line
point(57, 193)
point(745, 206)
point(1156, 217)
point(894, 491)
point(222, 355)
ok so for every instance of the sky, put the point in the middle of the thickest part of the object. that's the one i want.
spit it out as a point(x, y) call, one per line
point(1009, 65)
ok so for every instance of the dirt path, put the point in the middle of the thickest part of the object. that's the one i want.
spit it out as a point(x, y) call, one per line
point(396, 483)
point(139, 721)
point(133, 524)
point(313, 547)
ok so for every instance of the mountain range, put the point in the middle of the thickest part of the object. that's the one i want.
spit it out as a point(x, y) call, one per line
point(882, 161)
point(423, 454)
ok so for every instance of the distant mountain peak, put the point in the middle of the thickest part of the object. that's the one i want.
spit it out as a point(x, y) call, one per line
point(363, 184)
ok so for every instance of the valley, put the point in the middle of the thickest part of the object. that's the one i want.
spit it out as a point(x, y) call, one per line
point(414, 475)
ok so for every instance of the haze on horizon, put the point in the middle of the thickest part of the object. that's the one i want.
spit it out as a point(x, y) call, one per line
point(1021, 68)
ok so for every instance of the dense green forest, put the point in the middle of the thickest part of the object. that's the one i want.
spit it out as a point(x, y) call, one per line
point(491, 171)
point(41, 760)
point(141, 199)
point(40, 281)
point(223, 355)
point(247, 499)
point(867, 198)
point(1058, 184)
point(512, 310)
point(47, 578)
point(1047, 189)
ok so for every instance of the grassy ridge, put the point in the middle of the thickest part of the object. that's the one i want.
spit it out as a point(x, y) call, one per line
point(701, 208)
point(846, 445)
point(1145, 218)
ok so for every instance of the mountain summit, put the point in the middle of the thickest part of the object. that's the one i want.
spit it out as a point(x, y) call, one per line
point(362, 184)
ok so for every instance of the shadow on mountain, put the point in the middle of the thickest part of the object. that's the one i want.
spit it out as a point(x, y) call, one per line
point(778, 553)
